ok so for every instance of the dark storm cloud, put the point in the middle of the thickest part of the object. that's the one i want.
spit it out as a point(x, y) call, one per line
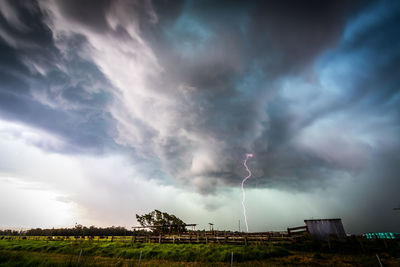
point(373, 91)
point(281, 35)
point(234, 54)
point(48, 88)
point(232, 59)
point(380, 46)
point(88, 12)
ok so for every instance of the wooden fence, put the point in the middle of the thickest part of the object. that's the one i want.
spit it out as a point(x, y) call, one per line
point(297, 232)
point(185, 238)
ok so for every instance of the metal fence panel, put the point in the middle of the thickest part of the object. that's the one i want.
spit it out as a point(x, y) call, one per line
point(324, 229)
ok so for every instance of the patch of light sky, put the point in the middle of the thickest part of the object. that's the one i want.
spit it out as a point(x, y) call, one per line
point(29, 205)
point(188, 35)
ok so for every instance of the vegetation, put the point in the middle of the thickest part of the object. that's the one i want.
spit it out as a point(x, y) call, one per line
point(164, 222)
point(120, 250)
point(78, 230)
point(104, 253)
point(117, 246)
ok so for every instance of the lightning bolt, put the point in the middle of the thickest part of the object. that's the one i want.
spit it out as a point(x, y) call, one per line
point(244, 194)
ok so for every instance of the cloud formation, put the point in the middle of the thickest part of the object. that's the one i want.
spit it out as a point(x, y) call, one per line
point(189, 87)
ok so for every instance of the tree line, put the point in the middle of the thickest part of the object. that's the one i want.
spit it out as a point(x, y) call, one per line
point(156, 222)
point(78, 230)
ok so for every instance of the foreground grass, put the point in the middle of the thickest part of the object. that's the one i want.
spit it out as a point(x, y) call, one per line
point(28, 259)
point(66, 253)
point(171, 252)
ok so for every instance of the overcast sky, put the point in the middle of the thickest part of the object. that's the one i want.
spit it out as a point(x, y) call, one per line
point(114, 108)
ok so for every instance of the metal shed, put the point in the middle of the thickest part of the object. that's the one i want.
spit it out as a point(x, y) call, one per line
point(325, 229)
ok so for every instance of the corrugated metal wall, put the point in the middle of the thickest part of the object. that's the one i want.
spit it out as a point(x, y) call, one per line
point(323, 229)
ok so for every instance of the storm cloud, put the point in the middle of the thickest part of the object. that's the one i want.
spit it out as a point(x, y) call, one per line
point(311, 88)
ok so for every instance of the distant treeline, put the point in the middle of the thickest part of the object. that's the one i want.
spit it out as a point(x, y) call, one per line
point(78, 230)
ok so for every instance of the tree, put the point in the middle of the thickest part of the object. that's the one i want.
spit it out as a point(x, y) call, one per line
point(162, 222)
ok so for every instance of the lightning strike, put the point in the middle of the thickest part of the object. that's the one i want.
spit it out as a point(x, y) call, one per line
point(244, 194)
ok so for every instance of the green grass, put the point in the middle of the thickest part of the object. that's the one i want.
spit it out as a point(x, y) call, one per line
point(28, 259)
point(94, 253)
point(171, 252)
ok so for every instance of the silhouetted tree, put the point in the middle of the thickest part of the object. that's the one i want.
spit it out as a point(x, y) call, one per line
point(164, 222)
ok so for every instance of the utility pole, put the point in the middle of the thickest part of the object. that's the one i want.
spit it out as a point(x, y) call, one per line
point(239, 225)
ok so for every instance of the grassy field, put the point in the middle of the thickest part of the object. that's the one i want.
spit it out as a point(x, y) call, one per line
point(307, 253)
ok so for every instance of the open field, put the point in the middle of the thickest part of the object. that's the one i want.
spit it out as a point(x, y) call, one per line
point(39, 252)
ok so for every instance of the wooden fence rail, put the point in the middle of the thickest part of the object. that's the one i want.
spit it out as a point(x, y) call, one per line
point(297, 231)
point(203, 238)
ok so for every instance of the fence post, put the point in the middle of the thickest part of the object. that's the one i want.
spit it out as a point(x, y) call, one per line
point(379, 260)
point(361, 245)
point(232, 259)
point(40, 255)
point(140, 258)
point(79, 258)
point(159, 239)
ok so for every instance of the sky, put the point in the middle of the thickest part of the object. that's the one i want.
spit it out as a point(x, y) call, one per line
point(114, 108)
